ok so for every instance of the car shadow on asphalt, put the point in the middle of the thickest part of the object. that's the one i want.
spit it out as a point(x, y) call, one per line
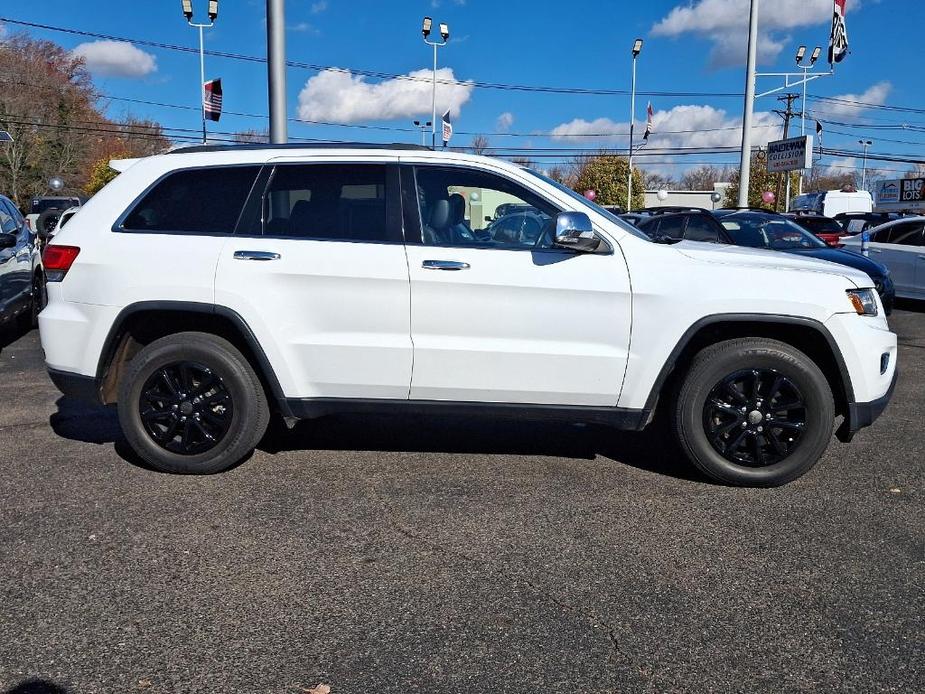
point(10, 332)
point(652, 450)
point(915, 305)
point(36, 686)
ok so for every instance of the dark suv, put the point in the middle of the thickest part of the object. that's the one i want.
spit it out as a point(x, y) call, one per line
point(22, 281)
point(671, 224)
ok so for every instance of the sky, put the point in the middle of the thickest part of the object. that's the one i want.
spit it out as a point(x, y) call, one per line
point(692, 59)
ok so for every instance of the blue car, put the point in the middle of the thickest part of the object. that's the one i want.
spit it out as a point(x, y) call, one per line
point(776, 232)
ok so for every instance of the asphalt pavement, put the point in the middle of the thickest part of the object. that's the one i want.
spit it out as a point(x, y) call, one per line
point(411, 554)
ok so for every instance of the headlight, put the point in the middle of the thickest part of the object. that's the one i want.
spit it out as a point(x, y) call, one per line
point(864, 301)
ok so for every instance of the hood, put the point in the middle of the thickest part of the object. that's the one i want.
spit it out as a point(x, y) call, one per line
point(761, 258)
point(844, 257)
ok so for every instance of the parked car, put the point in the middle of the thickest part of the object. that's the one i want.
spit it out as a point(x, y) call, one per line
point(206, 288)
point(856, 222)
point(900, 246)
point(832, 202)
point(22, 281)
point(45, 211)
point(824, 227)
point(779, 233)
point(672, 224)
point(62, 221)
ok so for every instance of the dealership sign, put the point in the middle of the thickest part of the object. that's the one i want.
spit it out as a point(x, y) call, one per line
point(791, 154)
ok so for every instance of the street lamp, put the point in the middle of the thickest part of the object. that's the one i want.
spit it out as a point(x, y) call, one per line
point(426, 28)
point(637, 47)
point(813, 57)
point(213, 13)
point(422, 126)
point(865, 144)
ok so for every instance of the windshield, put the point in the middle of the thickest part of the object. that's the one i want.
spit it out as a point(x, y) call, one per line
point(590, 205)
point(765, 231)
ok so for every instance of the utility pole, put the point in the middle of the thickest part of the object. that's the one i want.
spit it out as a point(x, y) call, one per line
point(276, 70)
point(745, 157)
point(786, 114)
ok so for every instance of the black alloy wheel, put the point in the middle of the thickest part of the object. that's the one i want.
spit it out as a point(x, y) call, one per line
point(755, 417)
point(186, 408)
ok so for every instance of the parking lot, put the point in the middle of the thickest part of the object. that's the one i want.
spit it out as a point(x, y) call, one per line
point(432, 555)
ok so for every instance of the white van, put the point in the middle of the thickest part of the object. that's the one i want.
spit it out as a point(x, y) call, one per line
point(832, 202)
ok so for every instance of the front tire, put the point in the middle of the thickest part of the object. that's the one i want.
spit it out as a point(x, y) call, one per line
point(754, 412)
point(190, 403)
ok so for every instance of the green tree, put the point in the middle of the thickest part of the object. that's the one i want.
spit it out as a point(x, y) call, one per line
point(759, 182)
point(606, 175)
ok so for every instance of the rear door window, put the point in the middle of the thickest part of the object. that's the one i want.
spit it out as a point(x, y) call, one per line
point(699, 228)
point(333, 202)
point(194, 201)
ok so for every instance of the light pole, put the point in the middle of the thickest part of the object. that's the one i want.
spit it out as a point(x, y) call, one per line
point(865, 144)
point(445, 35)
point(213, 13)
point(422, 126)
point(745, 157)
point(637, 47)
point(814, 56)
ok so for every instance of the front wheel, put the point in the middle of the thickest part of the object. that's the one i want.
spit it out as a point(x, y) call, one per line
point(190, 403)
point(754, 412)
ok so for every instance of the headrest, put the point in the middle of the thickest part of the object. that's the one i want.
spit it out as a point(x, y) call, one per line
point(440, 214)
point(457, 208)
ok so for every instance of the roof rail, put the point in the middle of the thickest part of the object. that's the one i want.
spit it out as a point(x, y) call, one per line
point(296, 145)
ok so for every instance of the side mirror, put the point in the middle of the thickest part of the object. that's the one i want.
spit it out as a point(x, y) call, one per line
point(7, 240)
point(574, 230)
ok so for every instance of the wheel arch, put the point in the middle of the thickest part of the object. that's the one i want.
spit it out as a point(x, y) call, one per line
point(141, 323)
point(806, 334)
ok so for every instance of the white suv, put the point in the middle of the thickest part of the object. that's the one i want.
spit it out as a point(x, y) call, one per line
point(203, 289)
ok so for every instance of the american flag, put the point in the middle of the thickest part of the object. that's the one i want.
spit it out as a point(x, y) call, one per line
point(838, 42)
point(649, 113)
point(212, 99)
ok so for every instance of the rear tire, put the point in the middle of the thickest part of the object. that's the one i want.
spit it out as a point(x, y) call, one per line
point(190, 403)
point(754, 413)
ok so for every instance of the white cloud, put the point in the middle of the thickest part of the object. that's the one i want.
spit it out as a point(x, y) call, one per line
point(303, 27)
point(320, 6)
point(725, 23)
point(116, 59)
point(504, 122)
point(689, 125)
point(875, 94)
point(339, 96)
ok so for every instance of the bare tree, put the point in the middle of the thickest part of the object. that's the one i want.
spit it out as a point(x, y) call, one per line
point(479, 144)
point(524, 161)
point(653, 180)
point(251, 137)
point(703, 177)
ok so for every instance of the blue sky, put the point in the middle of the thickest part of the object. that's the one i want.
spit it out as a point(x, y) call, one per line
point(690, 45)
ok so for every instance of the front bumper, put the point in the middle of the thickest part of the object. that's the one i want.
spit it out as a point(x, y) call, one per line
point(863, 414)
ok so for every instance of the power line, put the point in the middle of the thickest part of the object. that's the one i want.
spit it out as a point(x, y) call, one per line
point(368, 73)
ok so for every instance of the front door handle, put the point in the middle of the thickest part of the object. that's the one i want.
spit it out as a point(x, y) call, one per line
point(256, 255)
point(444, 265)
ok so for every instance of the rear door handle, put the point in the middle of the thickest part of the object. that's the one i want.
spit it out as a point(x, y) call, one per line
point(444, 265)
point(256, 255)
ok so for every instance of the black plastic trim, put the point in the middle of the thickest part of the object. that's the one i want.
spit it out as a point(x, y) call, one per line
point(77, 386)
point(863, 414)
point(263, 363)
point(397, 146)
point(669, 364)
point(618, 417)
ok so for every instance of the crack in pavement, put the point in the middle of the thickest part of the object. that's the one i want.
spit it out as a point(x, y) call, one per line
point(597, 624)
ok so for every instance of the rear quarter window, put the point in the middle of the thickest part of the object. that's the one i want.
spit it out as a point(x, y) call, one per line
point(193, 201)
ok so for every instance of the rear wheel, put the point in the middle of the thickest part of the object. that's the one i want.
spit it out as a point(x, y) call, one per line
point(754, 412)
point(191, 403)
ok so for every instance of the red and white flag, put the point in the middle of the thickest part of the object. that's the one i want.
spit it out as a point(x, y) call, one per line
point(838, 41)
point(212, 99)
point(649, 113)
point(447, 128)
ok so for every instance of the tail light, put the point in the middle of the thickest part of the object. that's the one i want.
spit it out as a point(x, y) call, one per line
point(58, 260)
